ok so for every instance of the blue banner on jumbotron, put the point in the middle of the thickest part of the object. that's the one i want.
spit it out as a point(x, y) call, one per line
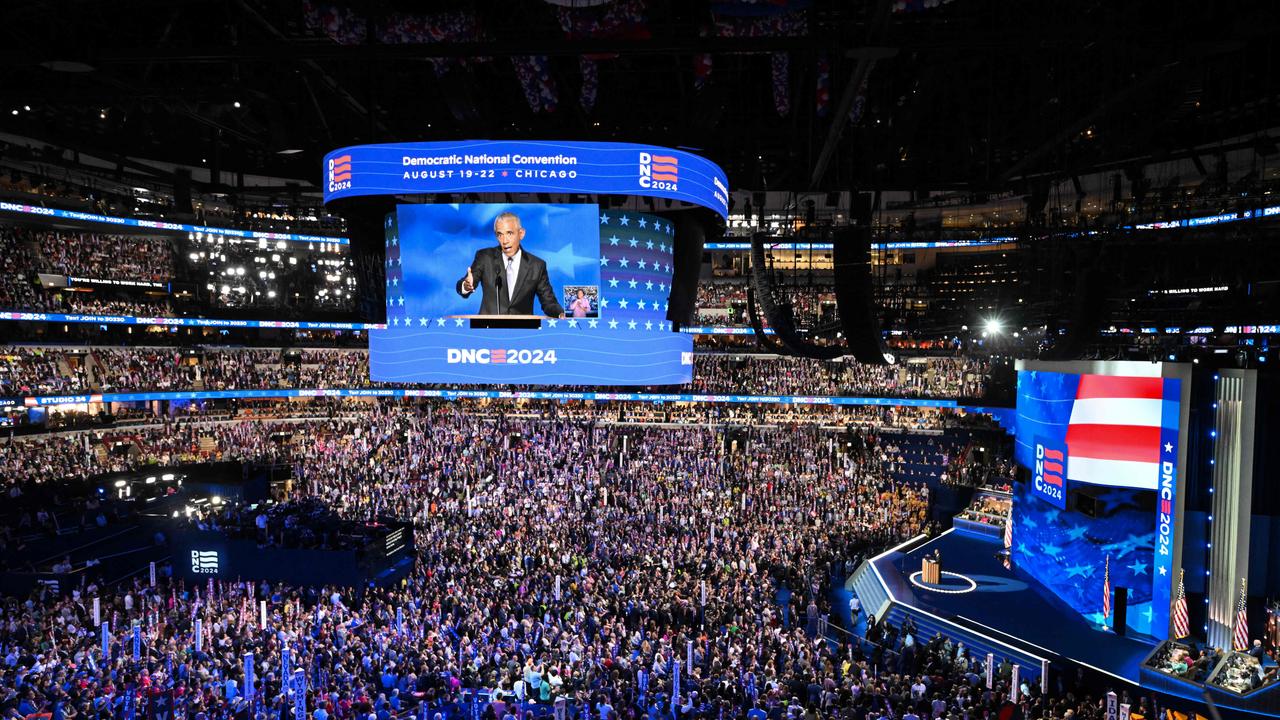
point(79, 216)
point(483, 166)
point(45, 400)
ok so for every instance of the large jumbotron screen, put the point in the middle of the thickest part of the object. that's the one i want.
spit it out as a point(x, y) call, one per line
point(586, 289)
point(505, 290)
point(1102, 445)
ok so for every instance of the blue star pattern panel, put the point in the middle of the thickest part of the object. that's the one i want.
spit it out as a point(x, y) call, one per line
point(625, 267)
point(1066, 551)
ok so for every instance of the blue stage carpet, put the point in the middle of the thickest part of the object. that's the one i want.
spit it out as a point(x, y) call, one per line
point(1009, 604)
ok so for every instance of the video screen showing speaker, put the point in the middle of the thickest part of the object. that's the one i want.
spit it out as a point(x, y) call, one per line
point(529, 293)
point(1097, 507)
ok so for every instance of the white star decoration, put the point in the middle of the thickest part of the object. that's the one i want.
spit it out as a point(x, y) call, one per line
point(457, 322)
point(440, 322)
point(604, 219)
point(613, 282)
point(552, 322)
point(632, 283)
point(631, 325)
point(613, 324)
point(592, 323)
point(633, 242)
point(624, 221)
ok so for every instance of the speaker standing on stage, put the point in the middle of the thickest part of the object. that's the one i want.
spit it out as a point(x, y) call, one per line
point(509, 277)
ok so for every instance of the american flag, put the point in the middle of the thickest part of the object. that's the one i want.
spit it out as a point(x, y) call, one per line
point(1181, 627)
point(1008, 530)
point(1114, 434)
point(1242, 621)
point(1106, 590)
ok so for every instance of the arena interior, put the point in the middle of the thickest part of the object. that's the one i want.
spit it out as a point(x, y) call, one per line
point(639, 360)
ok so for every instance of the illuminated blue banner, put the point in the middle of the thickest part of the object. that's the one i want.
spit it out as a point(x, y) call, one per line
point(483, 166)
point(901, 245)
point(45, 400)
point(185, 322)
point(158, 225)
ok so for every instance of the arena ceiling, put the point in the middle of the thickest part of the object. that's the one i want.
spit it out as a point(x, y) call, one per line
point(785, 94)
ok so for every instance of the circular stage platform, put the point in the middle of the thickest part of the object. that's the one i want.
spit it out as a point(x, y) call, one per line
point(952, 583)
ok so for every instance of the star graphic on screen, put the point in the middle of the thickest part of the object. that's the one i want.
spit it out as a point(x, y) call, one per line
point(391, 301)
point(395, 321)
point(457, 322)
point(648, 325)
point(613, 240)
point(1168, 447)
point(395, 281)
point(573, 323)
point(632, 283)
point(631, 325)
point(1116, 499)
point(504, 173)
point(604, 218)
point(1080, 571)
point(1138, 567)
point(604, 261)
point(624, 262)
point(400, 301)
point(625, 220)
point(613, 324)
point(643, 264)
point(1097, 619)
point(1022, 549)
point(1148, 614)
point(633, 242)
point(1051, 550)
point(1029, 522)
point(649, 244)
point(423, 322)
point(640, 305)
point(1077, 533)
point(622, 303)
point(644, 223)
point(613, 282)
point(666, 306)
point(1164, 570)
point(551, 322)
point(440, 322)
point(662, 287)
point(648, 285)
point(592, 323)
point(604, 303)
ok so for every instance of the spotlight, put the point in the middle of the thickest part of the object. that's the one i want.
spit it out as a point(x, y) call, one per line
point(994, 326)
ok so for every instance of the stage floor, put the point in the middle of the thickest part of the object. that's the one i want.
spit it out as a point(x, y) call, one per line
point(1007, 605)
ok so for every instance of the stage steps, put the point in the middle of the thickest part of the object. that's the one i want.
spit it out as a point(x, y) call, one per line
point(869, 589)
point(978, 645)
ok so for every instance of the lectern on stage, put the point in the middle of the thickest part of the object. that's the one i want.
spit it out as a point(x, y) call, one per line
point(931, 570)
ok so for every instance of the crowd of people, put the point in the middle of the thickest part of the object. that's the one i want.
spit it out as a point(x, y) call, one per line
point(96, 255)
point(546, 549)
point(209, 368)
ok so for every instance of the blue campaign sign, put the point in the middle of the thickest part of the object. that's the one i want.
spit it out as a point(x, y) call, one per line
point(543, 166)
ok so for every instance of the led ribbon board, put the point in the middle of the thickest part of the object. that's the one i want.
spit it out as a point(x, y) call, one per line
point(544, 166)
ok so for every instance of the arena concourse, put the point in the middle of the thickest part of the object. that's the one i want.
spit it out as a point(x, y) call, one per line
point(789, 360)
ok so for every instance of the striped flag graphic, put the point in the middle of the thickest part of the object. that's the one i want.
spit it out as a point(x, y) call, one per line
point(1241, 638)
point(1113, 436)
point(341, 168)
point(1106, 590)
point(1181, 627)
point(666, 167)
point(1008, 530)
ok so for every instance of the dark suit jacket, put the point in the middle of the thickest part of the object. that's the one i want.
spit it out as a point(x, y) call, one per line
point(490, 277)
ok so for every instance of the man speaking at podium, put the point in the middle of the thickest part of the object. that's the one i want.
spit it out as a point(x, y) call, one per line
point(509, 276)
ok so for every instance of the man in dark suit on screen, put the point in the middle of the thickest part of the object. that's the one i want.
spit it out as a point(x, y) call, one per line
point(508, 276)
